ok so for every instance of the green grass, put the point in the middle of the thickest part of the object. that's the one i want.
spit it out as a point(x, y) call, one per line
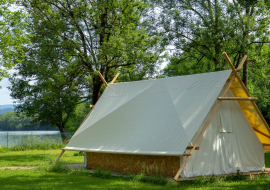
point(35, 143)
point(41, 179)
point(37, 158)
point(57, 177)
point(34, 179)
point(267, 159)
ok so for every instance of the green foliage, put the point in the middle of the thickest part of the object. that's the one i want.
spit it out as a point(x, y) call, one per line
point(77, 117)
point(11, 121)
point(70, 42)
point(79, 154)
point(259, 78)
point(102, 174)
point(12, 36)
point(203, 180)
point(91, 36)
point(4, 149)
point(57, 168)
point(157, 180)
point(201, 30)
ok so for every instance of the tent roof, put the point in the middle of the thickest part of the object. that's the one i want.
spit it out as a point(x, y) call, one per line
point(152, 117)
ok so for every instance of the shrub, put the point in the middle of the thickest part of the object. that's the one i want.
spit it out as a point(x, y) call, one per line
point(157, 180)
point(79, 154)
point(57, 168)
point(102, 174)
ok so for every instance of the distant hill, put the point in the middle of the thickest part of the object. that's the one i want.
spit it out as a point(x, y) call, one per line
point(2, 111)
point(6, 108)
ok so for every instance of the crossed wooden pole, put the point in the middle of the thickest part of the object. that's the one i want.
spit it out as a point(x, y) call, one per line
point(234, 75)
point(92, 108)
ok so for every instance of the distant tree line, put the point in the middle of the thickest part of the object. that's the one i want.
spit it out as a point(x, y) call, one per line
point(12, 121)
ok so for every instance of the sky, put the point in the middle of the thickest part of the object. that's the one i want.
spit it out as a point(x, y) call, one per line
point(5, 93)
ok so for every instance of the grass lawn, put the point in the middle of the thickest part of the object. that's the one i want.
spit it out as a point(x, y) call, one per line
point(42, 178)
point(37, 158)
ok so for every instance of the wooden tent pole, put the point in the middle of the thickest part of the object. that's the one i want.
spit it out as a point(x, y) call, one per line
point(93, 106)
point(58, 157)
point(204, 128)
point(230, 63)
point(103, 80)
point(268, 136)
point(246, 91)
point(115, 78)
point(242, 62)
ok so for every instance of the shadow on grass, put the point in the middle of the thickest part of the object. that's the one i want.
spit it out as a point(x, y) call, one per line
point(65, 181)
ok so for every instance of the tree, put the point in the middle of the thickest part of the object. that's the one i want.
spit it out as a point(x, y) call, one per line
point(259, 78)
point(48, 88)
point(12, 36)
point(71, 41)
point(103, 35)
point(201, 30)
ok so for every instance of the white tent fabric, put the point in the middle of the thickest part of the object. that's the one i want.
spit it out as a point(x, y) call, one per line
point(152, 117)
point(228, 144)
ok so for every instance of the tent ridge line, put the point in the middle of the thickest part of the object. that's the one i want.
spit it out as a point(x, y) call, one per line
point(206, 125)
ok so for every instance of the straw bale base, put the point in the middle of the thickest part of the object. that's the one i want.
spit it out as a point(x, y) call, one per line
point(166, 166)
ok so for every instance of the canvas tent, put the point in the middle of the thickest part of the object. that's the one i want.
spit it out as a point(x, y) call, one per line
point(195, 125)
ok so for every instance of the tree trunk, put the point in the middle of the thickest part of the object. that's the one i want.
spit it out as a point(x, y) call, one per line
point(62, 132)
point(245, 73)
point(96, 90)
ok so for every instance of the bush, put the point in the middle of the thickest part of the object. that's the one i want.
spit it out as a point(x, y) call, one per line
point(57, 168)
point(3, 149)
point(157, 180)
point(237, 177)
point(102, 174)
point(79, 154)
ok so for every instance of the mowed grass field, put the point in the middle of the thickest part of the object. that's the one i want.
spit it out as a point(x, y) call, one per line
point(42, 177)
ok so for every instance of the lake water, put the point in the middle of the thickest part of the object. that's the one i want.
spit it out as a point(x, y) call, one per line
point(13, 138)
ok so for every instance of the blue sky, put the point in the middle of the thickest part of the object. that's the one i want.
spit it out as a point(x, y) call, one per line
point(5, 93)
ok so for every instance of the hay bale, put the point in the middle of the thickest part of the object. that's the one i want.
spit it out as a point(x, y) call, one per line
point(166, 166)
